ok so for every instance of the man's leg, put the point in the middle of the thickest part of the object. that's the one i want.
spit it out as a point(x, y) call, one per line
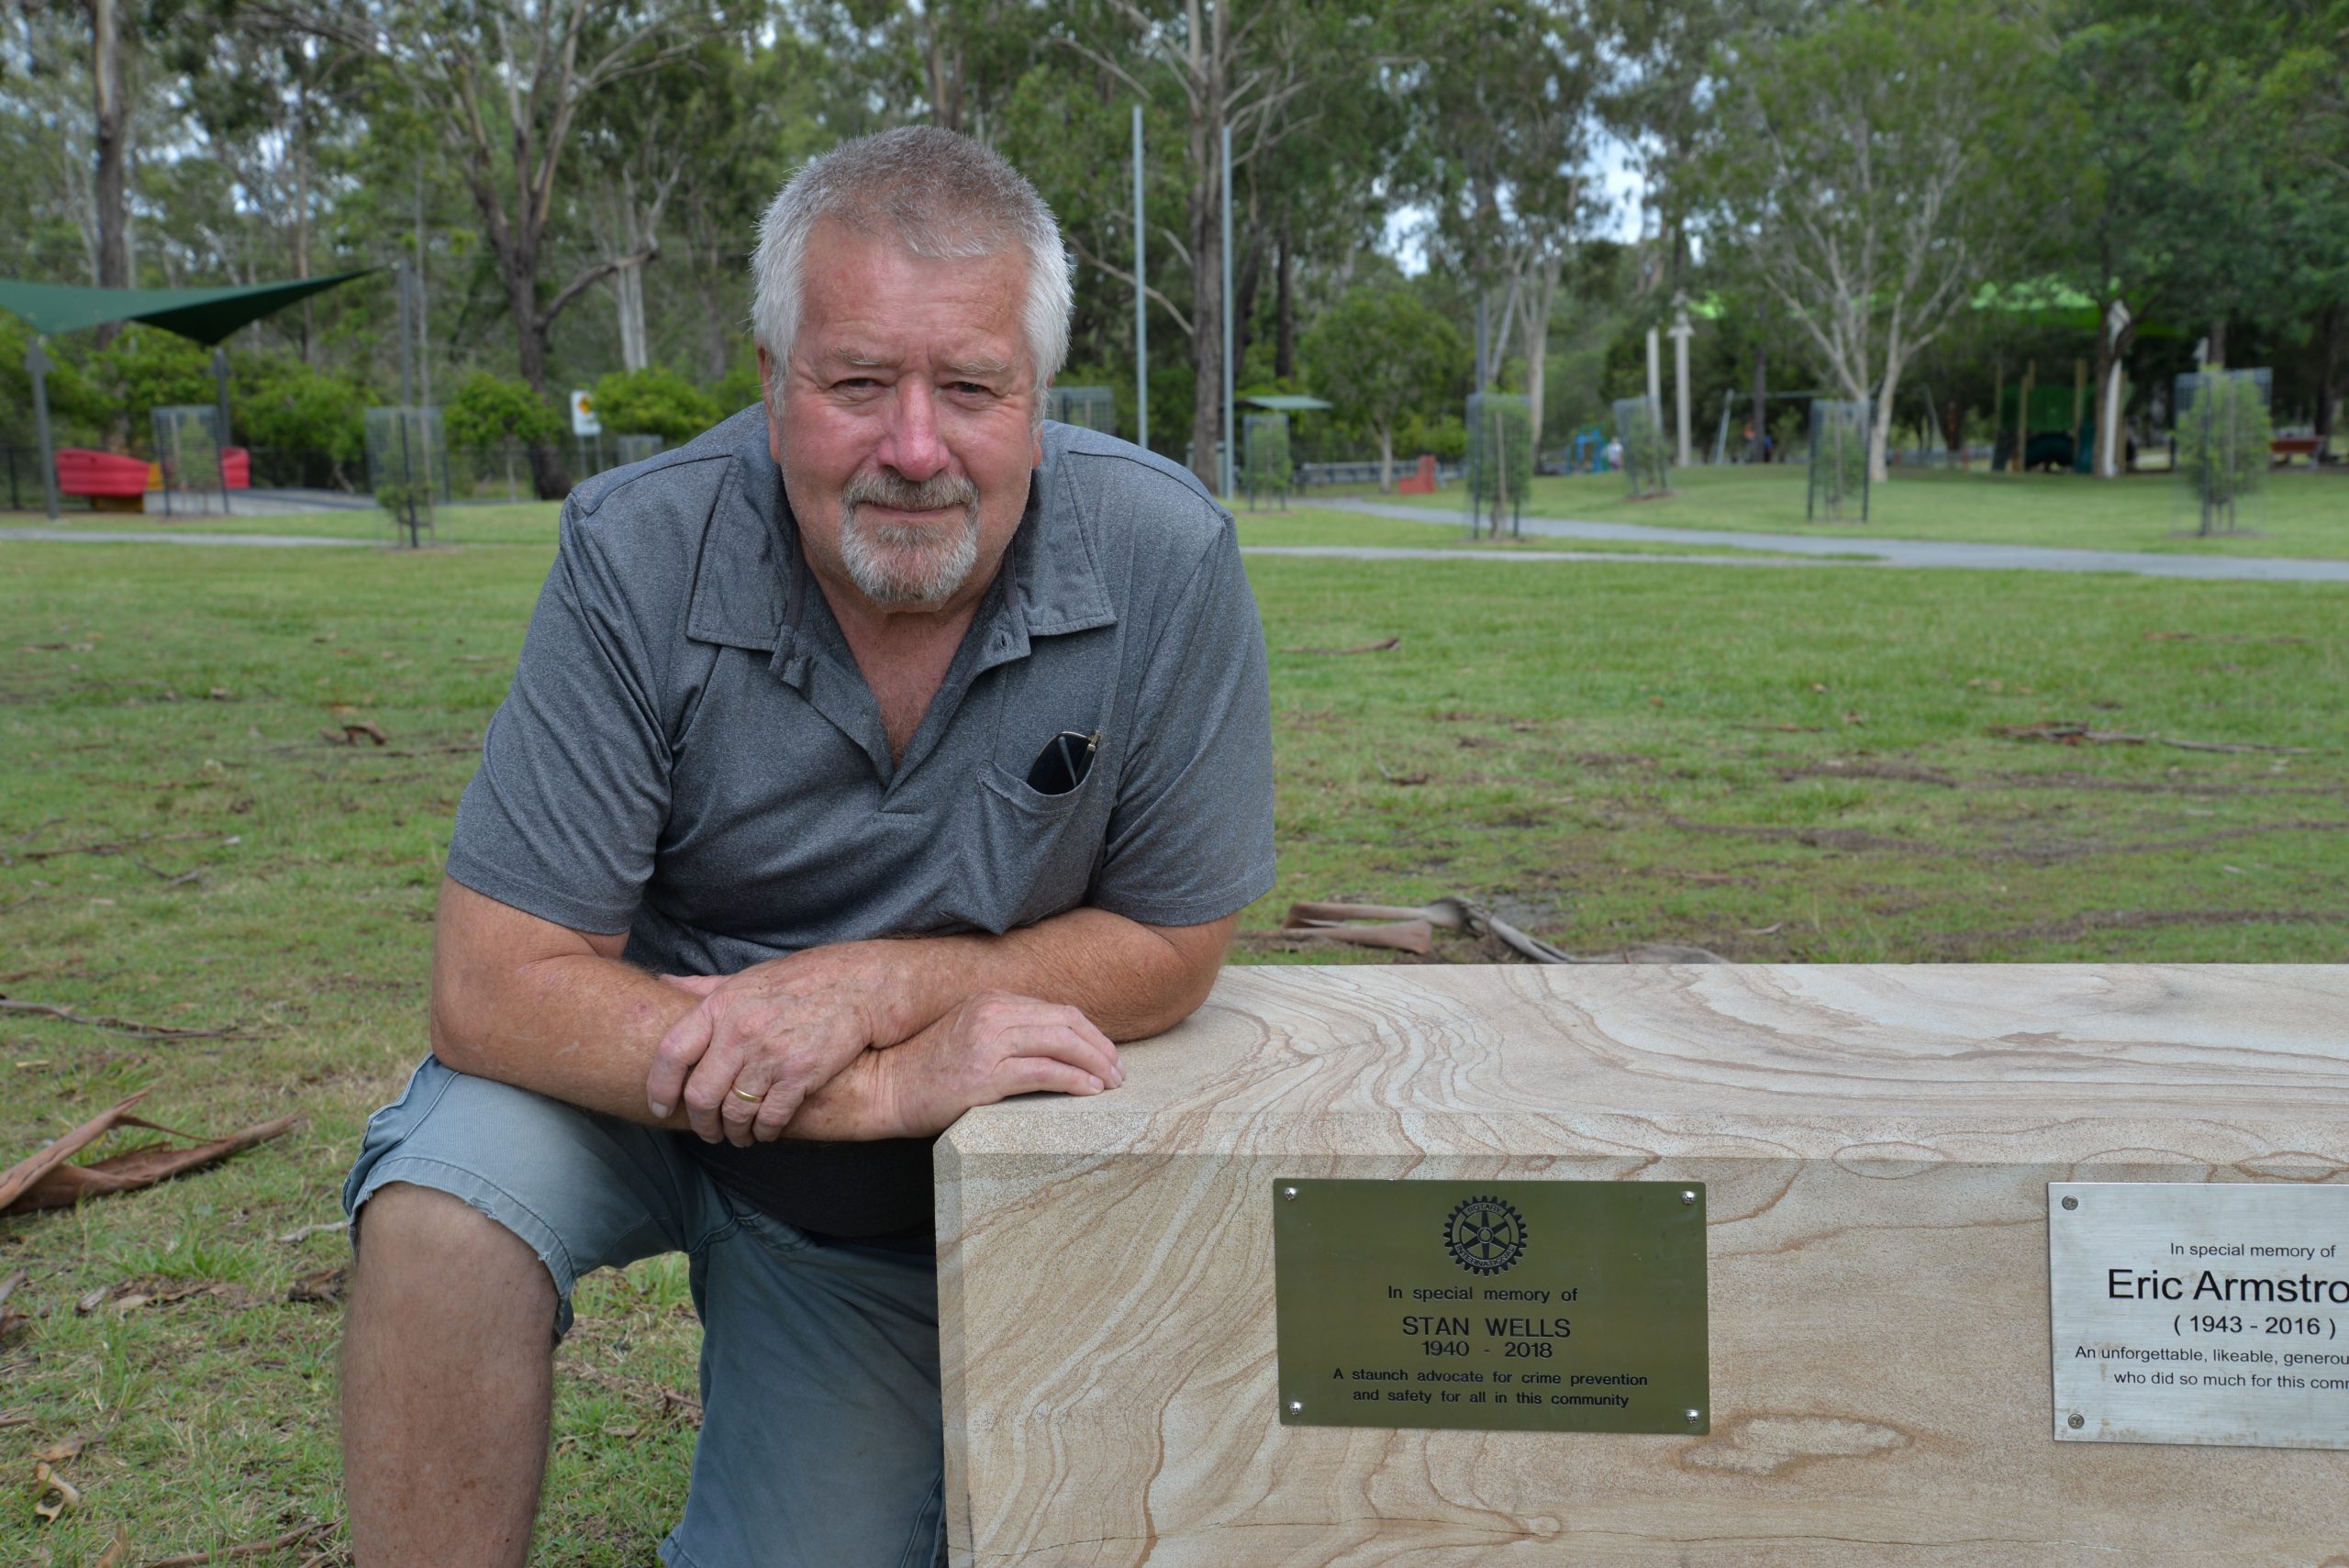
point(820, 1441)
point(475, 1207)
point(447, 1383)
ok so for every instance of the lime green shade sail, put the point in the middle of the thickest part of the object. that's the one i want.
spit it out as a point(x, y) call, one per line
point(206, 314)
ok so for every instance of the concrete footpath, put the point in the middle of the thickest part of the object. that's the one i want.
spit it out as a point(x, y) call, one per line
point(1894, 551)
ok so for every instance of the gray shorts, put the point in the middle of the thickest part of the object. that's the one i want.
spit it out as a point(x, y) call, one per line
point(820, 1440)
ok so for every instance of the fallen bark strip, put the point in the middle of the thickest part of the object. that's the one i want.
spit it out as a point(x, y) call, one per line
point(103, 847)
point(1462, 915)
point(1387, 646)
point(2071, 734)
point(117, 1026)
point(47, 1179)
point(303, 1535)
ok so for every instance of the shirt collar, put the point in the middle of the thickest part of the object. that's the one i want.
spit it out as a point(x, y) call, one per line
point(1051, 577)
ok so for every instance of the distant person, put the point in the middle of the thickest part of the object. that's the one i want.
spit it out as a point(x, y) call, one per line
point(881, 753)
point(1614, 452)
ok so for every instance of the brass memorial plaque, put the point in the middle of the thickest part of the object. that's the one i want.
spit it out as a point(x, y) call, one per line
point(1537, 1307)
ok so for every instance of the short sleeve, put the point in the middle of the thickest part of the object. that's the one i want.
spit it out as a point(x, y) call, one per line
point(1190, 839)
point(563, 816)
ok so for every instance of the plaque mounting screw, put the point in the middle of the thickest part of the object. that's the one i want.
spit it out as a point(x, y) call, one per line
point(2071, 1203)
point(2075, 1421)
point(1694, 1416)
point(1289, 1193)
point(1297, 1407)
point(1689, 1196)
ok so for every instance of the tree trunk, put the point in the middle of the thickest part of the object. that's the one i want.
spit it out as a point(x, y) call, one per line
point(1386, 458)
point(1285, 312)
point(2217, 358)
point(1245, 273)
point(1537, 350)
point(2112, 348)
point(1758, 449)
point(549, 473)
point(1206, 243)
point(109, 195)
point(627, 294)
point(2328, 367)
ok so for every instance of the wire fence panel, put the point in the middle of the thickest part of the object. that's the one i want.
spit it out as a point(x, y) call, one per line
point(2222, 441)
point(1839, 459)
point(1639, 430)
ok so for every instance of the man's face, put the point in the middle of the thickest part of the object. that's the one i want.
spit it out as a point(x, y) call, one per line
point(908, 429)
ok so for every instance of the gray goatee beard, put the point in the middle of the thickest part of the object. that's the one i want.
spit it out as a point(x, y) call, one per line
point(909, 564)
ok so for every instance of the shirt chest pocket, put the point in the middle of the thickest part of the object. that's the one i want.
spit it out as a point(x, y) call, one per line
point(1043, 793)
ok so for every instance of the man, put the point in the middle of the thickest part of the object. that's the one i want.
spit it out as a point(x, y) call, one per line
point(881, 753)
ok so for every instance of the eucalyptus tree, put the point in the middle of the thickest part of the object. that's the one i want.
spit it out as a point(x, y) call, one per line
point(1252, 66)
point(1875, 172)
point(1508, 97)
point(511, 85)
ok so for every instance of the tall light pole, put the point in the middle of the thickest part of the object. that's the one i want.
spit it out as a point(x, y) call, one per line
point(1141, 305)
point(1230, 432)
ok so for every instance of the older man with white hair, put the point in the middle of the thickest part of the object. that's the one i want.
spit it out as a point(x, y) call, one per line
point(881, 753)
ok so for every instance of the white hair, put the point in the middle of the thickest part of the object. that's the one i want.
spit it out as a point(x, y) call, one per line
point(943, 197)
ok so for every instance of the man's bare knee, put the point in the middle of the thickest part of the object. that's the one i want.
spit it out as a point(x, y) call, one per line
point(405, 1232)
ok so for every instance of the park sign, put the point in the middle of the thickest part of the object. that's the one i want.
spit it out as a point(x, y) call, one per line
point(583, 422)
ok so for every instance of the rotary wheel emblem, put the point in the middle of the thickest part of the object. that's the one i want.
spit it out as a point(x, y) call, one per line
point(1485, 1235)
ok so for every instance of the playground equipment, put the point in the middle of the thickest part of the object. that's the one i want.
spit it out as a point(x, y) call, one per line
point(2052, 425)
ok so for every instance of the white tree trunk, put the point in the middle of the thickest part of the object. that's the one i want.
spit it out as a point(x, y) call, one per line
point(1386, 458)
point(627, 294)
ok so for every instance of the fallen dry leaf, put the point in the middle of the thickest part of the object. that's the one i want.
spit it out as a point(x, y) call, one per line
point(117, 1550)
point(58, 1452)
point(323, 1286)
point(56, 1494)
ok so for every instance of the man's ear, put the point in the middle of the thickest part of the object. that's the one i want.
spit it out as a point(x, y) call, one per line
point(1036, 426)
point(767, 375)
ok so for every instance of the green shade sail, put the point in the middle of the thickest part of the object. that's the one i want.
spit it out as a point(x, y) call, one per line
point(206, 314)
point(1285, 403)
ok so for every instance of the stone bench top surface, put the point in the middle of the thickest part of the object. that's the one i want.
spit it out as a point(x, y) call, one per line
point(2244, 1066)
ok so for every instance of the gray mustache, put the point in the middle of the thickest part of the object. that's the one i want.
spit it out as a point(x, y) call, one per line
point(900, 494)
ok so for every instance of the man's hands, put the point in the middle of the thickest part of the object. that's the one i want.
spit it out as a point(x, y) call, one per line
point(764, 1040)
point(988, 1048)
point(776, 1031)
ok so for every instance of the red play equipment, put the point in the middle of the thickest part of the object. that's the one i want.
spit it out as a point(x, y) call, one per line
point(82, 472)
point(1419, 483)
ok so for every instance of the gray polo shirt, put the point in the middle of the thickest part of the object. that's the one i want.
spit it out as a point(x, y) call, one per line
point(689, 753)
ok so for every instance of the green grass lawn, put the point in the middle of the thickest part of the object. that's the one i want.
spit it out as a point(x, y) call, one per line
point(1782, 766)
point(2301, 512)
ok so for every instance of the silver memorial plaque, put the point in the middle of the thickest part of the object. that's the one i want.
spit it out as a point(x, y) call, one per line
point(2187, 1312)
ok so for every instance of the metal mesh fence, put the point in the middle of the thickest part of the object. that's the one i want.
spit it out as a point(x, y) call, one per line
point(636, 448)
point(1095, 408)
point(187, 448)
point(1638, 429)
point(1500, 458)
point(407, 467)
point(1839, 459)
point(2220, 439)
point(1266, 470)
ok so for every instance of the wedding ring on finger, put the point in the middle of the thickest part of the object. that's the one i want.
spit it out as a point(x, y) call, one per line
point(754, 1099)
